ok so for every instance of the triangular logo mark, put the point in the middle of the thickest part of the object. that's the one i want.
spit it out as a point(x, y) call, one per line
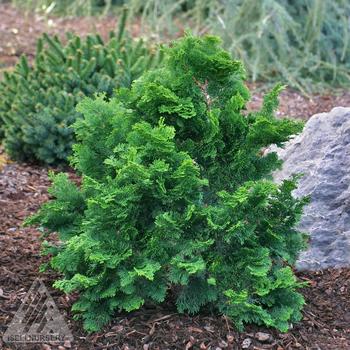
point(37, 319)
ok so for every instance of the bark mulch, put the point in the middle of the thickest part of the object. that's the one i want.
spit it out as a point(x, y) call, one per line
point(326, 322)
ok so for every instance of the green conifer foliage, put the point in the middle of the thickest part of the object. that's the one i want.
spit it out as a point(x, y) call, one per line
point(37, 104)
point(175, 195)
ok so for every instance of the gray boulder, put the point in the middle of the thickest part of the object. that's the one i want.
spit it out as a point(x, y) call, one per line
point(322, 153)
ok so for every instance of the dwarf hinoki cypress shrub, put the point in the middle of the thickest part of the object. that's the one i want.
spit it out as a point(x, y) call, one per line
point(37, 103)
point(175, 195)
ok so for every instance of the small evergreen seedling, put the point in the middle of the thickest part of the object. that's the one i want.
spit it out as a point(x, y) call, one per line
point(175, 196)
point(37, 103)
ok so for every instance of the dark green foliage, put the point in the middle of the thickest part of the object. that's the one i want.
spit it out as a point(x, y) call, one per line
point(37, 104)
point(175, 195)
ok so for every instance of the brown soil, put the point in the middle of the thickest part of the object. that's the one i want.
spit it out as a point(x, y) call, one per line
point(294, 104)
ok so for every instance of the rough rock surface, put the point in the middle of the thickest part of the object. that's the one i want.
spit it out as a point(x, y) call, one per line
point(322, 153)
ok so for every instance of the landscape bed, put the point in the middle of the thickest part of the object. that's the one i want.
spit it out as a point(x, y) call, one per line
point(23, 188)
point(326, 316)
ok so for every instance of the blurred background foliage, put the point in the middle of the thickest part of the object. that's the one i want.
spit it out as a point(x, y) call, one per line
point(304, 43)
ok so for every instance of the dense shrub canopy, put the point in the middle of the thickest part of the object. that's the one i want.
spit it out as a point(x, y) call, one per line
point(175, 195)
point(37, 103)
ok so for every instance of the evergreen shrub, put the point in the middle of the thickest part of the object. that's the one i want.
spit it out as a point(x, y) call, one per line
point(37, 103)
point(176, 195)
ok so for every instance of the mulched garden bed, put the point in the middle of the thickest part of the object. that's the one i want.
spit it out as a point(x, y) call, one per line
point(326, 322)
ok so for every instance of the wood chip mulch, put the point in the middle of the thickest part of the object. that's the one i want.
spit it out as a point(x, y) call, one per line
point(326, 322)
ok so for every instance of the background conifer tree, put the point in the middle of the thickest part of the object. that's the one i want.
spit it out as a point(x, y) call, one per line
point(175, 195)
point(38, 101)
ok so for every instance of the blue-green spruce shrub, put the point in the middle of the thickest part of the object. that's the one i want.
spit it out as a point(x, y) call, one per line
point(38, 100)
